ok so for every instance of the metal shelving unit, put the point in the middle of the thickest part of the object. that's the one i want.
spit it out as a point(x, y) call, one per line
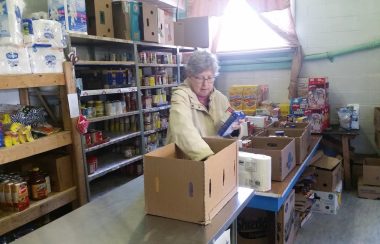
point(159, 86)
point(155, 109)
point(103, 118)
point(114, 138)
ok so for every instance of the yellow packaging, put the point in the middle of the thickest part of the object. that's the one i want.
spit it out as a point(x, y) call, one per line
point(250, 97)
point(249, 112)
point(235, 96)
point(284, 109)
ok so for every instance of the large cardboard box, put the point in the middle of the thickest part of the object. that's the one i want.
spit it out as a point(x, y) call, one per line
point(192, 32)
point(282, 151)
point(193, 191)
point(328, 173)
point(285, 221)
point(100, 22)
point(121, 14)
point(255, 226)
point(376, 116)
point(328, 202)
point(168, 29)
point(369, 192)
point(371, 171)
point(153, 20)
point(302, 140)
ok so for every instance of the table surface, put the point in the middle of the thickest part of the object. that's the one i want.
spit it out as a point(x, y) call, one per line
point(272, 200)
point(337, 130)
point(119, 217)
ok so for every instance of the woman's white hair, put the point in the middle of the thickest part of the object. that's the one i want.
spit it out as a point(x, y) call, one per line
point(201, 61)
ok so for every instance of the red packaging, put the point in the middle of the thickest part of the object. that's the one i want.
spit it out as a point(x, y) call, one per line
point(20, 196)
point(318, 90)
point(319, 119)
point(92, 164)
point(96, 136)
point(87, 138)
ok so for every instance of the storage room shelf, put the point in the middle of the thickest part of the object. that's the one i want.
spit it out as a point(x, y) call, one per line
point(90, 63)
point(90, 39)
point(110, 162)
point(158, 65)
point(10, 220)
point(158, 86)
point(31, 80)
point(97, 119)
point(115, 138)
point(107, 91)
point(155, 109)
point(148, 132)
point(154, 45)
point(44, 144)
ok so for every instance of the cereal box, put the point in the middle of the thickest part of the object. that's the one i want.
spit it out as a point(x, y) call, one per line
point(235, 96)
point(251, 95)
point(318, 93)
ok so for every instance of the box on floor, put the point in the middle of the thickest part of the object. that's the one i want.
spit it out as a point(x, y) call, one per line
point(366, 191)
point(282, 151)
point(371, 171)
point(328, 202)
point(172, 183)
point(328, 173)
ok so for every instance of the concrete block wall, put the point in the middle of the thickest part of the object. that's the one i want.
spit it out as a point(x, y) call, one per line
point(330, 25)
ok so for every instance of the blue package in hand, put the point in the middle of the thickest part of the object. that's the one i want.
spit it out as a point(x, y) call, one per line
point(226, 128)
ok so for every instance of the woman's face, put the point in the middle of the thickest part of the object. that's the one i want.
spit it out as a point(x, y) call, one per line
point(202, 84)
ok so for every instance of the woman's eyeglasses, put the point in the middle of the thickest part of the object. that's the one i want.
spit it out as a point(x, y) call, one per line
point(200, 80)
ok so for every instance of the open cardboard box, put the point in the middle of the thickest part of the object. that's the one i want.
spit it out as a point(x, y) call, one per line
point(302, 140)
point(328, 172)
point(369, 192)
point(371, 171)
point(194, 191)
point(282, 151)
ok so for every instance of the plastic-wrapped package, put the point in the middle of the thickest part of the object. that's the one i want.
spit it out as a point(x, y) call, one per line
point(10, 22)
point(43, 31)
point(345, 115)
point(14, 60)
point(45, 59)
point(70, 13)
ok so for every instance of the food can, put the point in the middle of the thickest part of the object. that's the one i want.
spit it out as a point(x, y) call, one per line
point(96, 136)
point(92, 164)
point(87, 138)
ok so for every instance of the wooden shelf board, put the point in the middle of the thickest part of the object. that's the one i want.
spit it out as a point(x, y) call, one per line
point(44, 144)
point(11, 220)
point(31, 80)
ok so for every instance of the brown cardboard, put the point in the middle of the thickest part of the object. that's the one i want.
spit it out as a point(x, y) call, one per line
point(121, 19)
point(255, 226)
point(356, 173)
point(328, 173)
point(301, 137)
point(153, 23)
point(371, 171)
point(369, 192)
point(301, 125)
point(100, 21)
point(376, 116)
point(282, 151)
point(192, 32)
point(328, 202)
point(193, 191)
point(377, 138)
point(285, 221)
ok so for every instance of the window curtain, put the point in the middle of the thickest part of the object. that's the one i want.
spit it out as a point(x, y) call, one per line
point(196, 8)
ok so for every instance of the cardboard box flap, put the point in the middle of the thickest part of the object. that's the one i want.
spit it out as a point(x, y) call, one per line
point(216, 144)
point(269, 144)
point(327, 163)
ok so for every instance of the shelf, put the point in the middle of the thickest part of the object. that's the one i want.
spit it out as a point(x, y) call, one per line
point(31, 80)
point(44, 144)
point(90, 39)
point(115, 138)
point(110, 162)
point(90, 63)
point(107, 91)
point(155, 45)
point(155, 109)
point(11, 220)
point(97, 119)
point(148, 132)
point(158, 65)
point(159, 86)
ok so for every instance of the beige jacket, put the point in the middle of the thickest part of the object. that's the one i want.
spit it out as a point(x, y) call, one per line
point(189, 120)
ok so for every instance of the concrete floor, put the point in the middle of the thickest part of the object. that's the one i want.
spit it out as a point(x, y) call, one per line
point(357, 222)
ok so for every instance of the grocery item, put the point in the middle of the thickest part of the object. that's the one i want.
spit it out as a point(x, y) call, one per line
point(37, 182)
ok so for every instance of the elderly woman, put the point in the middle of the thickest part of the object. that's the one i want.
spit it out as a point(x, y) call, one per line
point(197, 108)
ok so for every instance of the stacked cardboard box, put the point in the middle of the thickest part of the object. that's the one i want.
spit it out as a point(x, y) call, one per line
point(318, 104)
point(369, 184)
point(376, 116)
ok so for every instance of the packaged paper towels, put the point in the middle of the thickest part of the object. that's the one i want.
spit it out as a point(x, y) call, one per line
point(70, 13)
point(45, 59)
point(10, 22)
point(14, 60)
point(43, 31)
point(255, 171)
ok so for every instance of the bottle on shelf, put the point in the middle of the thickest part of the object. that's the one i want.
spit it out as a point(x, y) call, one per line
point(37, 183)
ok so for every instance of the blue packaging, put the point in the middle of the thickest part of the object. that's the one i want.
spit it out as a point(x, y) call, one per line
point(226, 128)
point(135, 21)
point(70, 13)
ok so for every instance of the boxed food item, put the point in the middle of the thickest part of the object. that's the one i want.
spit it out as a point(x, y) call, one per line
point(153, 20)
point(235, 96)
point(285, 221)
point(369, 192)
point(319, 119)
point(99, 14)
point(298, 106)
point(328, 171)
point(251, 96)
point(302, 140)
point(302, 87)
point(328, 202)
point(255, 226)
point(70, 13)
point(318, 93)
point(371, 171)
point(282, 151)
point(172, 183)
